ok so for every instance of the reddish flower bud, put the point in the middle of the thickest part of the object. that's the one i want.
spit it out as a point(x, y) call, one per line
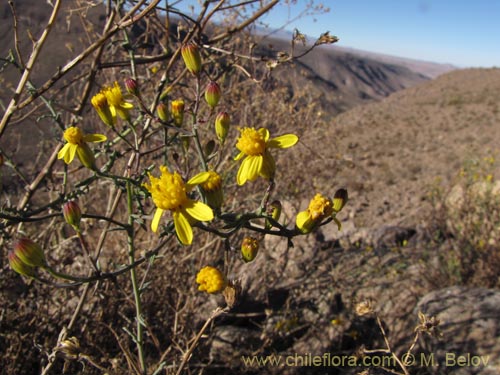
point(72, 214)
point(29, 252)
point(212, 94)
point(132, 87)
point(19, 266)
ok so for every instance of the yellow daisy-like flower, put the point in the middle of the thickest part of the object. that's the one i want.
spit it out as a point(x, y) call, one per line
point(169, 192)
point(212, 188)
point(100, 103)
point(117, 104)
point(254, 147)
point(319, 208)
point(77, 145)
point(211, 280)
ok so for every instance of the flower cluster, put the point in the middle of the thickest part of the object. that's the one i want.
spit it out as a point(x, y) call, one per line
point(109, 103)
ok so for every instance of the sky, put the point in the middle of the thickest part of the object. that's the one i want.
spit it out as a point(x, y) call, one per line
point(465, 33)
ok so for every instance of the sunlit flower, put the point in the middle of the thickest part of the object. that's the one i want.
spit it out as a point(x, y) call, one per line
point(319, 208)
point(169, 192)
point(101, 105)
point(254, 147)
point(211, 280)
point(77, 145)
point(117, 104)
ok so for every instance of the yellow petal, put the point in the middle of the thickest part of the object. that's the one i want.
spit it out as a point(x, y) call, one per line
point(264, 133)
point(70, 155)
point(126, 105)
point(199, 211)
point(183, 228)
point(196, 180)
point(254, 167)
point(239, 156)
point(61, 154)
point(283, 141)
point(112, 109)
point(303, 219)
point(241, 178)
point(156, 220)
point(94, 138)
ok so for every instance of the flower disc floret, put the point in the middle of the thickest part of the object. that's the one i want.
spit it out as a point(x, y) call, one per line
point(169, 192)
point(213, 182)
point(117, 105)
point(254, 148)
point(211, 280)
point(73, 135)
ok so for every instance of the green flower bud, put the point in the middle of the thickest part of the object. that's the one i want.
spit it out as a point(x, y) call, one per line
point(19, 266)
point(29, 252)
point(72, 214)
point(162, 111)
point(212, 94)
point(192, 58)
point(249, 249)
point(222, 123)
point(339, 200)
point(275, 212)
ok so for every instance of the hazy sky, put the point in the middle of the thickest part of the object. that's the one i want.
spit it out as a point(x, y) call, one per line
point(460, 32)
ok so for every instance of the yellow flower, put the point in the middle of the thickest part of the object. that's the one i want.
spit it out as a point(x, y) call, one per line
point(169, 192)
point(101, 105)
point(76, 145)
point(319, 208)
point(211, 280)
point(254, 146)
point(177, 110)
point(116, 103)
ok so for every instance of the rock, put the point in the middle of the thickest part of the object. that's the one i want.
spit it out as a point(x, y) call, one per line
point(470, 326)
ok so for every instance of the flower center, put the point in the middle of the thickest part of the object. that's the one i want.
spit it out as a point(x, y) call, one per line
point(99, 100)
point(73, 135)
point(320, 207)
point(168, 191)
point(213, 183)
point(251, 142)
point(113, 95)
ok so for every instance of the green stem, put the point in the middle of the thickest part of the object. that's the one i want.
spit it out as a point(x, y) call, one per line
point(135, 285)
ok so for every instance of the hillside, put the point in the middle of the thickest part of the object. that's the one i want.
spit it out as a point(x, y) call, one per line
point(389, 154)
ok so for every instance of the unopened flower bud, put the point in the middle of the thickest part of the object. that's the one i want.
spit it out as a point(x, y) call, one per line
point(212, 94)
point(275, 212)
point(162, 111)
point(72, 214)
point(86, 156)
point(17, 265)
point(70, 348)
point(177, 110)
point(222, 122)
point(339, 200)
point(132, 87)
point(249, 249)
point(192, 58)
point(29, 252)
